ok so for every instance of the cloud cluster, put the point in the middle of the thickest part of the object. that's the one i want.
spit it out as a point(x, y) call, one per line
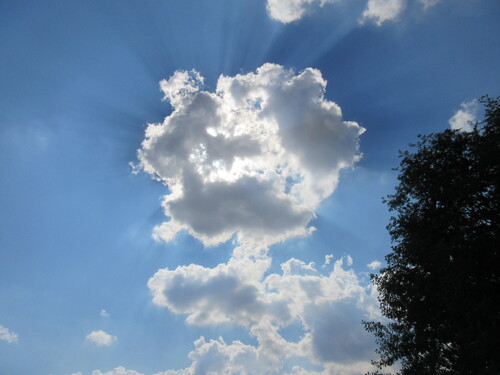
point(329, 308)
point(8, 335)
point(100, 338)
point(252, 159)
point(377, 11)
point(464, 118)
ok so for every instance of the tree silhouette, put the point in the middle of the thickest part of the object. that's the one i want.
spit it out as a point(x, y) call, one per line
point(440, 288)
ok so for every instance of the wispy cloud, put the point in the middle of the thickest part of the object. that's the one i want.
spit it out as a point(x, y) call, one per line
point(375, 265)
point(428, 3)
point(117, 371)
point(8, 335)
point(252, 159)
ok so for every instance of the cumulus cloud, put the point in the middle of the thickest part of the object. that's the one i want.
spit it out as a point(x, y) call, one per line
point(104, 313)
point(464, 118)
point(375, 265)
point(328, 307)
point(252, 159)
point(380, 11)
point(218, 357)
point(229, 292)
point(287, 11)
point(8, 335)
point(100, 338)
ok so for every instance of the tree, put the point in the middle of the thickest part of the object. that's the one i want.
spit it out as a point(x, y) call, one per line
point(440, 288)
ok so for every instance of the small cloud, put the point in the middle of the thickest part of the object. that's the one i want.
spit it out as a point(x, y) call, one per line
point(464, 118)
point(8, 335)
point(381, 11)
point(375, 265)
point(328, 260)
point(428, 3)
point(104, 314)
point(349, 260)
point(100, 338)
point(287, 11)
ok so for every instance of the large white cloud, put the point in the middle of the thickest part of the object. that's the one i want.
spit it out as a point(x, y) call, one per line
point(8, 335)
point(329, 308)
point(254, 158)
point(464, 118)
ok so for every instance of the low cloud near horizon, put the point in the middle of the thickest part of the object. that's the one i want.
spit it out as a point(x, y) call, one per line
point(328, 306)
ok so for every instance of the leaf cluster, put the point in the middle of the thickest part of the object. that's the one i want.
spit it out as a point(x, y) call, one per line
point(440, 288)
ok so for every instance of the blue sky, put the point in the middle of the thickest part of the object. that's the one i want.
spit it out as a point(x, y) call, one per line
point(97, 277)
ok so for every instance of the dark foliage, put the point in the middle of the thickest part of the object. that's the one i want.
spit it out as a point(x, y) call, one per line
point(440, 288)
